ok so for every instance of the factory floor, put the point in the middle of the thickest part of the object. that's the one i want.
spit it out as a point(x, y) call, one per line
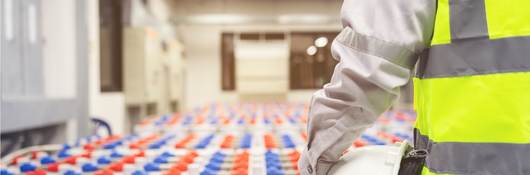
point(218, 138)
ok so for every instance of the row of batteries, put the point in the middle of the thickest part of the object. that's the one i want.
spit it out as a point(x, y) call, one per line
point(217, 139)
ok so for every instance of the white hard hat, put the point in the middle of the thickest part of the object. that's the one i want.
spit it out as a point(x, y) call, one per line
point(373, 160)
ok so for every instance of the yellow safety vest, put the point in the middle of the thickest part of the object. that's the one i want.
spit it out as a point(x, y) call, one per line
point(472, 89)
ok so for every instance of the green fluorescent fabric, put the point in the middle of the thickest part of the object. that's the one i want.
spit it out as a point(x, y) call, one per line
point(476, 57)
point(472, 91)
point(442, 31)
point(464, 19)
point(508, 18)
point(485, 108)
point(426, 171)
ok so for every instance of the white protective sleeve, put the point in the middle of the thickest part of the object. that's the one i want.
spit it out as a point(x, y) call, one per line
point(376, 50)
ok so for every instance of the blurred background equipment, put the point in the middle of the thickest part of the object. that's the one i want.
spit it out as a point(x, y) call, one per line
point(44, 72)
point(179, 74)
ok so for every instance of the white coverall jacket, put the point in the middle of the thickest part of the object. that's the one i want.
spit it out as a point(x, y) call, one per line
point(377, 51)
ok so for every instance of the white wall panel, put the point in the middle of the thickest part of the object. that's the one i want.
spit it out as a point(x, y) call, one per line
point(59, 48)
point(203, 66)
point(262, 67)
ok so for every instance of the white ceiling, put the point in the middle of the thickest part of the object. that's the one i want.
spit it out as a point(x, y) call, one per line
point(255, 11)
point(199, 23)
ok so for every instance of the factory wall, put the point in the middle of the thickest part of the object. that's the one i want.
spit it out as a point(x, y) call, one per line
point(58, 54)
point(59, 48)
point(109, 105)
point(203, 62)
point(202, 81)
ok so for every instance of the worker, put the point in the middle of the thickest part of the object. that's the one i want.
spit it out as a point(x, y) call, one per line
point(470, 60)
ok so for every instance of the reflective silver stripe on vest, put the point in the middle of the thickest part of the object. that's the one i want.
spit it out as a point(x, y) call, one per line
point(475, 158)
point(468, 19)
point(471, 52)
point(477, 57)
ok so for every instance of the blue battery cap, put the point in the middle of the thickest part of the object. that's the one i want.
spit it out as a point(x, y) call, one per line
point(273, 165)
point(241, 121)
point(66, 146)
point(110, 145)
point(115, 154)
point(218, 158)
point(47, 160)
point(269, 152)
point(151, 167)
point(200, 146)
point(290, 145)
point(167, 154)
point(207, 171)
point(119, 142)
point(205, 142)
point(368, 138)
point(274, 171)
point(160, 159)
point(246, 141)
point(71, 172)
point(214, 166)
point(5, 172)
point(26, 167)
point(272, 159)
point(139, 172)
point(104, 160)
point(272, 155)
point(155, 146)
point(89, 167)
point(63, 154)
point(163, 142)
point(379, 143)
point(287, 141)
point(218, 153)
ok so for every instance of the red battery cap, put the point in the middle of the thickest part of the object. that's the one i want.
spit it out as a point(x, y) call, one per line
point(116, 166)
point(53, 167)
point(36, 172)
